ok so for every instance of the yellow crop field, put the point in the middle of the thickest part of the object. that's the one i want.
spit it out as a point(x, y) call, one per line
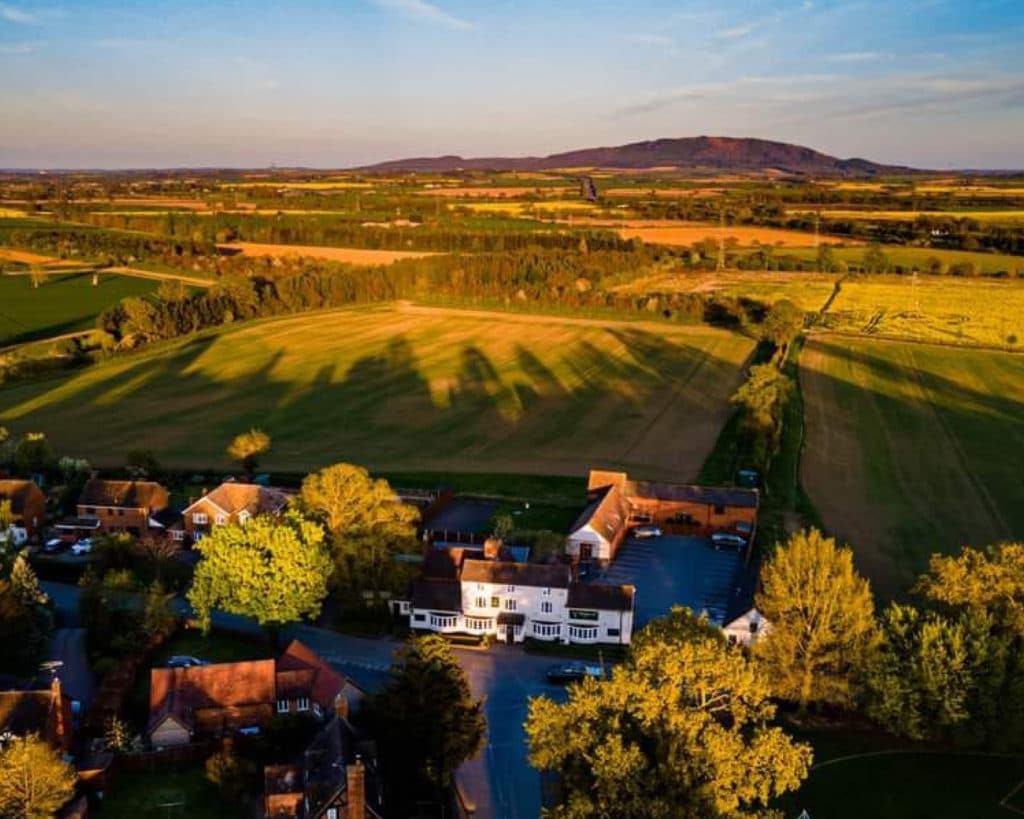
point(324, 185)
point(352, 255)
point(975, 311)
point(910, 215)
point(688, 234)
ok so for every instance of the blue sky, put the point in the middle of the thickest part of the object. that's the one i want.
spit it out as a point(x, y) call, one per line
point(934, 83)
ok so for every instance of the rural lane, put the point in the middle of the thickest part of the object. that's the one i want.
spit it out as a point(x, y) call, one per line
point(500, 780)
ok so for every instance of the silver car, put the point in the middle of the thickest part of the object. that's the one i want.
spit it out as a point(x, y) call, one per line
point(727, 539)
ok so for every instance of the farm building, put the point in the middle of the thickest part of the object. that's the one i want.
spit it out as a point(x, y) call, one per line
point(617, 503)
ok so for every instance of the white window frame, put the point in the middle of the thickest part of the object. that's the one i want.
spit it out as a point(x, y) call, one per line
point(244, 517)
point(511, 604)
point(177, 534)
point(317, 711)
point(478, 623)
point(582, 632)
point(443, 621)
point(221, 520)
point(546, 607)
point(302, 704)
point(332, 813)
point(547, 629)
point(510, 589)
point(200, 518)
point(481, 603)
point(546, 593)
point(283, 706)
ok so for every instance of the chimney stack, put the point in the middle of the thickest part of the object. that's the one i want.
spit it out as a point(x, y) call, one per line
point(492, 548)
point(356, 782)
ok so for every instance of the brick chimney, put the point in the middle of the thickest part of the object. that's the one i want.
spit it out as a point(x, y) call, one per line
point(492, 547)
point(356, 785)
point(341, 706)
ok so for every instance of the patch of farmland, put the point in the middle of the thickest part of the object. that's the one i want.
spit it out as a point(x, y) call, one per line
point(406, 388)
point(941, 309)
point(352, 255)
point(921, 257)
point(1011, 216)
point(909, 450)
point(688, 234)
point(495, 192)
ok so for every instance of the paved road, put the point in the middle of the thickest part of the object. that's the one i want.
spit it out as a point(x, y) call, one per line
point(500, 781)
point(68, 647)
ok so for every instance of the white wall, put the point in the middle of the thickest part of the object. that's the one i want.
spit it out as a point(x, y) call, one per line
point(601, 548)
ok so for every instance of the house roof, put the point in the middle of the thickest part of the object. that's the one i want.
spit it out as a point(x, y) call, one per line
point(18, 492)
point(544, 575)
point(707, 495)
point(127, 494)
point(442, 595)
point(605, 514)
point(233, 498)
point(444, 564)
point(306, 668)
point(180, 691)
point(25, 712)
point(602, 596)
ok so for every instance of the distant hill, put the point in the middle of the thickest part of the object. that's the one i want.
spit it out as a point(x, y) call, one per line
point(704, 152)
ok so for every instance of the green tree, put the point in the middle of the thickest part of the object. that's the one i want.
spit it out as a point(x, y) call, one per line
point(6, 521)
point(33, 454)
point(682, 729)
point(25, 584)
point(273, 570)
point(503, 526)
point(233, 775)
point(762, 398)
point(247, 447)
point(24, 630)
point(822, 621)
point(426, 720)
point(783, 323)
point(826, 259)
point(34, 781)
point(366, 522)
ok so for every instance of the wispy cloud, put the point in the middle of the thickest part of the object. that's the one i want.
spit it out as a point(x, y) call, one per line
point(13, 14)
point(734, 32)
point(19, 48)
point(790, 88)
point(858, 57)
point(427, 12)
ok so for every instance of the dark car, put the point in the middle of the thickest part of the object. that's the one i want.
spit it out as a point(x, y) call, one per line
point(573, 672)
point(184, 661)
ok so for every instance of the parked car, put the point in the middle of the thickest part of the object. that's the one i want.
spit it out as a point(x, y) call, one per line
point(249, 731)
point(584, 569)
point(573, 672)
point(184, 661)
point(54, 545)
point(727, 539)
point(646, 532)
point(16, 536)
point(83, 547)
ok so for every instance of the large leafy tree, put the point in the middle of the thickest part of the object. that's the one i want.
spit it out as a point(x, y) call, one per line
point(247, 447)
point(366, 523)
point(34, 781)
point(426, 720)
point(681, 730)
point(783, 323)
point(762, 397)
point(274, 570)
point(822, 620)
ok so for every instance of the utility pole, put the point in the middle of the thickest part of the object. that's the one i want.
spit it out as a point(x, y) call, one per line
point(721, 238)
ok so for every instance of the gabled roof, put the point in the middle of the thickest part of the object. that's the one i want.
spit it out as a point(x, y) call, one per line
point(707, 495)
point(601, 596)
point(543, 575)
point(232, 498)
point(304, 667)
point(126, 494)
point(18, 492)
point(180, 691)
point(441, 595)
point(605, 514)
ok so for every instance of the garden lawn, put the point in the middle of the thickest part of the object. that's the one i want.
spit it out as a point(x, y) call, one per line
point(166, 793)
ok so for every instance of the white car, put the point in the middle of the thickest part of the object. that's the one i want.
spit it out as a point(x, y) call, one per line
point(83, 547)
point(720, 539)
point(646, 532)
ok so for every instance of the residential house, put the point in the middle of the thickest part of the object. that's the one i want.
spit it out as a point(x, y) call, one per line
point(512, 601)
point(336, 778)
point(231, 502)
point(28, 504)
point(45, 712)
point(118, 506)
point(747, 627)
point(617, 503)
point(221, 699)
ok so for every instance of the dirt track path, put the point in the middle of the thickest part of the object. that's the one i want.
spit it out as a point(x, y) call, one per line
point(194, 281)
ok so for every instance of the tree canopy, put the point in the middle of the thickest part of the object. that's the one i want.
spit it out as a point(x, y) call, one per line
point(822, 619)
point(34, 781)
point(783, 323)
point(274, 570)
point(247, 447)
point(681, 730)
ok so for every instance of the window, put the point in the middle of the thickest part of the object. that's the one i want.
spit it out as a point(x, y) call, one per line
point(332, 813)
point(583, 633)
point(177, 534)
point(547, 629)
point(511, 589)
point(480, 602)
point(282, 706)
point(545, 607)
point(120, 513)
point(510, 604)
point(419, 618)
point(302, 704)
point(221, 520)
point(90, 510)
point(243, 517)
point(494, 602)
point(479, 586)
point(546, 593)
point(443, 620)
point(719, 509)
point(613, 632)
point(478, 623)
point(200, 518)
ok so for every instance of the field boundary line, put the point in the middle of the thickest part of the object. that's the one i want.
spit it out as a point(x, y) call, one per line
point(1005, 801)
point(917, 752)
point(889, 339)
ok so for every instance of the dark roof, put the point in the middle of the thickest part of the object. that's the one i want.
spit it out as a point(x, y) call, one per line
point(441, 595)
point(17, 491)
point(511, 618)
point(542, 575)
point(443, 564)
point(601, 596)
point(180, 691)
point(127, 494)
point(708, 495)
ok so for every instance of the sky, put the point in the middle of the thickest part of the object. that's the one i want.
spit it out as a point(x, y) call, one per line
point(339, 83)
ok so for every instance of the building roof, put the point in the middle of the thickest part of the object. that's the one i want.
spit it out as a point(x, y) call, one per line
point(127, 494)
point(605, 514)
point(233, 498)
point(324, 683)
point(178, 692)
point(441, 595)
point(602, 596)
point(444, 564)
point(707, 495)
point(18, 492)
point(25, 712)
point(543, 575)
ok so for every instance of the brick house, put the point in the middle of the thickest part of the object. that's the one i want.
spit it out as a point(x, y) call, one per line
point(231, 502)
point(46, 713)
point(121, 506)
point(28, 503)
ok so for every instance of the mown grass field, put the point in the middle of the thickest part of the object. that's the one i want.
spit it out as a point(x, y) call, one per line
point(65, 303)
point(351, 255)
point(941, 309)
point(406, 388)
point(809, 291)
point(912, 449)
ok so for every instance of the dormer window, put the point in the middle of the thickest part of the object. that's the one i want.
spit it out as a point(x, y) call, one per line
point(200, 518)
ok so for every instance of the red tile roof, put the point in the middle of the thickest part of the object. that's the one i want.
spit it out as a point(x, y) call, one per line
point(180, 691)
point(299, 665)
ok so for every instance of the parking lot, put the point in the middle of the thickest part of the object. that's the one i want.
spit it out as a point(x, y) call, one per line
point(674, 570)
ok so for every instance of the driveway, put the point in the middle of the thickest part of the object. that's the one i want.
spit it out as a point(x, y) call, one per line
point(675, 570)
point(68, 648)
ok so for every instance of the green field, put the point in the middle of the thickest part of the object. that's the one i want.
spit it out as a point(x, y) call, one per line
point(910, 257)
point(980, 312)
point(406, 388)
point(63, 304)
point(808, 291)
point(912, 449)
